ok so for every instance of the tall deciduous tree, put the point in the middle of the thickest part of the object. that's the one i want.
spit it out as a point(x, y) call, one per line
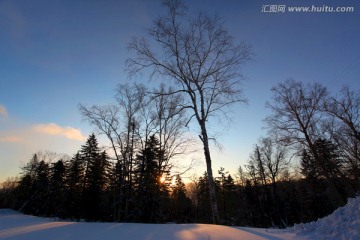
point(346, 108)
point(296, 113)
point(202, 61)
point(343, 126)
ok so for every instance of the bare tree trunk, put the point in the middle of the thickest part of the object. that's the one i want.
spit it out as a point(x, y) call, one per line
point(203, 62)
point(213, 201)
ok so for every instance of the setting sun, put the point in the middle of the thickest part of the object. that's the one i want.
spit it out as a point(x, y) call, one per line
point(162, 179)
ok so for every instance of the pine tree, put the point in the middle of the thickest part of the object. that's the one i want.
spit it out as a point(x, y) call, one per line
point(309, 167)
point(25, 191)
point(149, 188)
point(89, 153)
point(95, 178)
point(181, 204)
point(57, 189)
point(98, 180)
point(326, 164)
point(40, 202)
point(226, 195)
point(116, 191)
point(203, 200)
point(322, 168)
point(229, 195)
point(74, 183)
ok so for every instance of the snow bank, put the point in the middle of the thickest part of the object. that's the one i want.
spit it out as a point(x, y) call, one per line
point(343, 223)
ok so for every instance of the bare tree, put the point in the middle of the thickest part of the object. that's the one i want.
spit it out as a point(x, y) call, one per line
point(297, 119)
point(106, 120)
point(274, 158)
point(119, 123)
point(346, 108)
point(251, 171)
point(130, 122)
point(296, 113)
point(275, 163)
point(170, 122)
point(260, 168)
point(269, 160)
point(266, 164)
point(240, 175)
point(343, 126)
point(202, 61)
point(131, 101)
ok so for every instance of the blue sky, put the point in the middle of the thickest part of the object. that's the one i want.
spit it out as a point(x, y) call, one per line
point(57, 54)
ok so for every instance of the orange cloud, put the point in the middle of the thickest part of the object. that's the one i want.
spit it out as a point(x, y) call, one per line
point(3, 111)
point(54, 129)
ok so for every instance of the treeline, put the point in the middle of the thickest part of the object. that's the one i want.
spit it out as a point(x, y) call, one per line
point(146, 131)
point(320, 133)
point(306, 167)
point(93, 188)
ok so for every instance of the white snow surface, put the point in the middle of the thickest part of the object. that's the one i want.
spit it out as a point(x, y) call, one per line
point(344, 223)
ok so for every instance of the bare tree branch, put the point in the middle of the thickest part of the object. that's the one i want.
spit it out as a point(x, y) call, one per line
point(203, 63)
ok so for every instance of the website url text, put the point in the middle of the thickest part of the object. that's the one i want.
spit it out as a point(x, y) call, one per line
point(308, 9)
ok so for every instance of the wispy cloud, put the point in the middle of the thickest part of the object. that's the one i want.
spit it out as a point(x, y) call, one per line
point(54, 129)
point(3, 111)
point(10, 139)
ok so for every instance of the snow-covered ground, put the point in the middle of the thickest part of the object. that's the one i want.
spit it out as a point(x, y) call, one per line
point(344, 223)
point(16, 226)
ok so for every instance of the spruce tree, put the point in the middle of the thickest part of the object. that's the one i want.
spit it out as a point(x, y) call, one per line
point(149, 187)
point(89, 153)
point(40, 201)
point(74, 183)
point(116, 191)
point(181, 204)
point(25, 191)
point(203, 199)
point(57, 189)
point(94, 178)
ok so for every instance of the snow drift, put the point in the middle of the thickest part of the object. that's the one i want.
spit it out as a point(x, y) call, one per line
point(343, 223)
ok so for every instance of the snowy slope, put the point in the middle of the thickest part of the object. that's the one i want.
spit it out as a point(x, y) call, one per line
point(344, 223)
point(16, 226)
